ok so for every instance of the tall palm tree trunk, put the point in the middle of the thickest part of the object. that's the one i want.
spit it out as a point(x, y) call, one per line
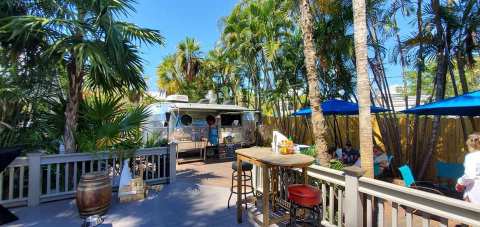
point(418, 92)
point(318, 120)
point(75, 82)
point(363, 86)
point(442, 63)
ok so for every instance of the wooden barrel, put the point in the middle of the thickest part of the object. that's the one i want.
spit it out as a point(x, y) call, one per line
point(94, 194)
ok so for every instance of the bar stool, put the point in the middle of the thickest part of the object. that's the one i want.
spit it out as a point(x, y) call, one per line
point(247, 181)
point(305, 197)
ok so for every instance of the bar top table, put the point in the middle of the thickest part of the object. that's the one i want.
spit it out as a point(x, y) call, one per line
point(266, 159)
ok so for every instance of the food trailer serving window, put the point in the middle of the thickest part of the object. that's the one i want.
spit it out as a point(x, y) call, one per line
point(231, 119)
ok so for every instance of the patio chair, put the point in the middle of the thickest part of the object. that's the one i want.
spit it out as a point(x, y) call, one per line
point(410, 181)
point(447, 175)
point(426, 186)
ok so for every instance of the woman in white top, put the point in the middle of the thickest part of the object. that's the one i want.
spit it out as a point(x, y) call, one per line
point(470, 181)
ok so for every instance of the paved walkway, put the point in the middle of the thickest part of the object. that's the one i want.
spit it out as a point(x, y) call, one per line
point(197, 198)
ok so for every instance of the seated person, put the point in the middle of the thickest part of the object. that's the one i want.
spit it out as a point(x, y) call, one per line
point(380, 158)
point(331, 153)
point(349, 155)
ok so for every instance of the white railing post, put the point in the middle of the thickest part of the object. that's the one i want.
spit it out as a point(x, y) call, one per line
point(172, 151)
point(353, 200)
point(34, 178)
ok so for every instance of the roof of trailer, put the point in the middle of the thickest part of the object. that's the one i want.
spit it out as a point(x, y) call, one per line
point(200, 106)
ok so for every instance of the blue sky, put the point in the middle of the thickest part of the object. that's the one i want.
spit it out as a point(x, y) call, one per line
point(177, 19)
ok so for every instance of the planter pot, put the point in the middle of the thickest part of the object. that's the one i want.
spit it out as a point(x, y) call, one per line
point(94, 194)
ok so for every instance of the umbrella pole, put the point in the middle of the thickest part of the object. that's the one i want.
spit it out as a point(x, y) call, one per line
point(335, 129)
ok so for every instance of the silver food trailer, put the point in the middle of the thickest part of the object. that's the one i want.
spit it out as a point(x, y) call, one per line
point(201, 130)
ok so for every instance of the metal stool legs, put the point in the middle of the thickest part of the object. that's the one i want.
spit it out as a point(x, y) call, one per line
point(245, 179)
point(316, 213)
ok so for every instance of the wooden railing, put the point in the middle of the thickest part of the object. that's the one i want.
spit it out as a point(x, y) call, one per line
point(352, 200)
point(350, 195)
point(39, 178)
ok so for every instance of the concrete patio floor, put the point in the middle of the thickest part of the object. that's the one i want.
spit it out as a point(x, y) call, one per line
point(198, 198)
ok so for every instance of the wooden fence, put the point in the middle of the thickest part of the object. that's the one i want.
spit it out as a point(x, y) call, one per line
point(39, 178)
point(450, 146)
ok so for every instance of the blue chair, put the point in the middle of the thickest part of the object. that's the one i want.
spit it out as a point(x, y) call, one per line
point(447, 175)
point(410, 181)
point(407, 175)
point(449, 171)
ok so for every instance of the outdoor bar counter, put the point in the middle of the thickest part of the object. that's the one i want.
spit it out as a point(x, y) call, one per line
point(265, 158)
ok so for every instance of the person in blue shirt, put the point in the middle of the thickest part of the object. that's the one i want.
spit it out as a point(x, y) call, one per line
point(349, 155)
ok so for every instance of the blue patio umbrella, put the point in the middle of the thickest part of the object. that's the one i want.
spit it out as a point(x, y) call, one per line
point(463, 105)
point(338, 107)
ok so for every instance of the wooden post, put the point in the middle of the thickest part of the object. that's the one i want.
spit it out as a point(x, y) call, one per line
point(353, 199)
point(34, 177)
point(266, 196)
point(172, 151)
point(305, 175)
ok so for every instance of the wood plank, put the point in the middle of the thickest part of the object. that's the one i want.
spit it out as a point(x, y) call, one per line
point(83, 167)
point(425, 220)
point(324, 202)
point(66, 176)
point(408, 217)
point(158, 167)
point(21, 181)
point(49, 178)
point(266, 196)
point(394, 214)
point(340, 208)
point(369, 211)
point(444, 222)
point(266, 156)
point(75, 177)
point(380, 212)
point(164, 158)
point(331, 205)
point(57, 178)
point(11, 177)
point(1, 186)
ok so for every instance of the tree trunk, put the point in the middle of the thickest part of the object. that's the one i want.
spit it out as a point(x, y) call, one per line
point(442, 63)
point(418, 93)
point(363, 86)
point(75, 81)
point(463, 80)
point(318, 120)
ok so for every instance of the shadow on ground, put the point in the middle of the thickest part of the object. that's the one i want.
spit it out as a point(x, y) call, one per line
point(184, 203)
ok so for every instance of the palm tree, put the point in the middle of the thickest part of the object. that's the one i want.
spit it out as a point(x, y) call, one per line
point(188, 58)
point(363, 86)
point(318, 120)
point(90, 41)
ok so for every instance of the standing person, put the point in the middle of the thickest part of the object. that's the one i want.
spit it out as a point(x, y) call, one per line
point(470, 181)
point(349, 155)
